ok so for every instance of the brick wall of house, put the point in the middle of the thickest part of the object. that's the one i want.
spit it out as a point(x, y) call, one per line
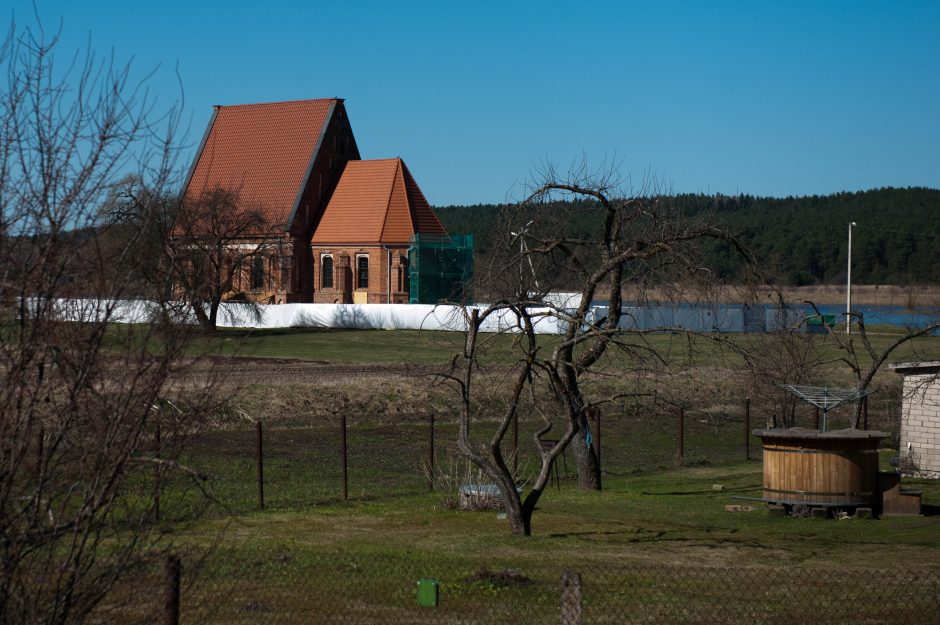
point(276, 261)
point(346, 288)
point(920, 422)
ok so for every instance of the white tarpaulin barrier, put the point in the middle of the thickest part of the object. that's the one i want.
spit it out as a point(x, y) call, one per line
point(349, 316)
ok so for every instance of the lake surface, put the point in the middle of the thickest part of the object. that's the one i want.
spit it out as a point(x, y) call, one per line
point(757, 317)
point(887, 315)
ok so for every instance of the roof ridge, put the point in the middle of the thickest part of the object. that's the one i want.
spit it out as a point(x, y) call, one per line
point(391, 193)
point(379, 160)
point(228, 106)
point(405, 175)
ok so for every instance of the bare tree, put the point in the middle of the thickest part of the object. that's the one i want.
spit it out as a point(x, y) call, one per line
point(866, 360)
point(638, 240)
point(219, 249)
point(785, 355)
point(79, 400)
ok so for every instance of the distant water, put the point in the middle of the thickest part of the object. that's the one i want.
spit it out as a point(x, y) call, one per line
point(729, 317)
point(918, 317)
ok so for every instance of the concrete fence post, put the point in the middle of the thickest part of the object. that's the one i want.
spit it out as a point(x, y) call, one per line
point(571, 598)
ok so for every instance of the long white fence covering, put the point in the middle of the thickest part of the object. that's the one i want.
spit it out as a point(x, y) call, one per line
point(546, 320)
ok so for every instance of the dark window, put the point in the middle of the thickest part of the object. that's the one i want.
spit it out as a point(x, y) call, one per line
point(403, 274)
point(362, 272)
point(257, 273)
point(327, 282)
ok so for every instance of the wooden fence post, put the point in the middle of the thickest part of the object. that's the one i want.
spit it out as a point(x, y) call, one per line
point(594, 416)
point(570, 598)
point(597, 436)
point(342, 427)
point(40, 444)
point(747, 428)
point(156, 474)
point(680, 452)
point(431, 450)
point(171, 590)
point(259, 454)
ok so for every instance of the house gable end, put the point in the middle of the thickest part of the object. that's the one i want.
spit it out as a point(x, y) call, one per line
point(336, 147)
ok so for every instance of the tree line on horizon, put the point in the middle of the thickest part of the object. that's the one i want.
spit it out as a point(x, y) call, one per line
point(798, 240)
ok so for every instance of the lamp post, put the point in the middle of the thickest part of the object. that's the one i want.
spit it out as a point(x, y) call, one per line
point(848, 286)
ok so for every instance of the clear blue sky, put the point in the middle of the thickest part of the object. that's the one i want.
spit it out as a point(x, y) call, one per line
point(775, 98)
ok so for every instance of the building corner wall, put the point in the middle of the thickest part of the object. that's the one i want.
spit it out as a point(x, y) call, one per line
point(920, 425)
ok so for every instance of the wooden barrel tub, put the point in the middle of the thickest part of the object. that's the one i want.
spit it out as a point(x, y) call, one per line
point(820, 469)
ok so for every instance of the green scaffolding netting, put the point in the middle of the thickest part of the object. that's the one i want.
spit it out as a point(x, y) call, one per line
point(440, 268)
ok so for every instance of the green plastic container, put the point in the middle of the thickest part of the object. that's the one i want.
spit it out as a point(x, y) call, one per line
point(427, 592)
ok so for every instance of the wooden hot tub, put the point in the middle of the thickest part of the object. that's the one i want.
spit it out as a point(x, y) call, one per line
point(821, 469)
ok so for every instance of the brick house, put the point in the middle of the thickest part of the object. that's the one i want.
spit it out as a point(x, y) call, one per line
point(920, 418)
point(298, 162)
point(360, 246)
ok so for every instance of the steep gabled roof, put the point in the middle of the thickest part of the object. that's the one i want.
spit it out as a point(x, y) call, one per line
point(262, 151)
point(376, 202)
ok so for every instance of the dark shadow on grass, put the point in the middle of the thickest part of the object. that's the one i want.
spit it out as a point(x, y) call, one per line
point(623, 532)
point(707, 491)
point(259, 332)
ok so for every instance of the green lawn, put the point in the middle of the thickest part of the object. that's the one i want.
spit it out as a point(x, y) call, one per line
point(434, 347)
point(657, 536)
point(655, 546)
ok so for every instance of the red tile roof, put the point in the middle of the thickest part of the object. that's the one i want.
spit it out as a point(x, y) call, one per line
point(262, 151)
point(376, 202)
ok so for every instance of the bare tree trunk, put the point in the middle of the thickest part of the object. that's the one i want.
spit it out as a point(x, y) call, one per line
point(214, 304)
point(589, 477)
point(200, 313)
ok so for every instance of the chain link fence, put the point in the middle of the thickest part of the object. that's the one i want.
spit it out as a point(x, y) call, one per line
point(299, 467)
point(345, 592)
point(294, 468)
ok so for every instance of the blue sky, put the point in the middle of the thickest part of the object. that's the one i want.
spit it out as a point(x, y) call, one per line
point(776, 98)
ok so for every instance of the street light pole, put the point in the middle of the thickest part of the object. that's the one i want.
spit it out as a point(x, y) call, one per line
point(848, 286)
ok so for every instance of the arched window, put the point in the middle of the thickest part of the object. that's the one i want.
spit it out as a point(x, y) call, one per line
point(327, 281)
point(362, 272)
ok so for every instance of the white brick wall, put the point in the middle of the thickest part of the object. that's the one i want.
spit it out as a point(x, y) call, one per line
point(920, 421)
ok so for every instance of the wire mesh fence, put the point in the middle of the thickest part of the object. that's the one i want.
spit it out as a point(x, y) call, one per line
point(298, 467)
point(302, 467)
point(343, 591)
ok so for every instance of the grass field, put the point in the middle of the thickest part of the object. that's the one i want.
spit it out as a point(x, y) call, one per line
point(435, 348)
point(311, 557)
point(658, 535)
